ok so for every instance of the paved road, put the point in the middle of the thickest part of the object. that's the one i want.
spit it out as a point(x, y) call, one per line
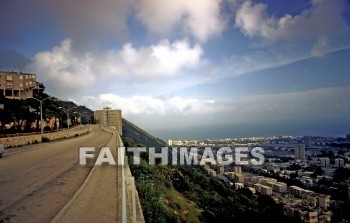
point(37, 181)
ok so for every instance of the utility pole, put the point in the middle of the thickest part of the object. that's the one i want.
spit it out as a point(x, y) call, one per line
point(41, 112)
point(67, 110)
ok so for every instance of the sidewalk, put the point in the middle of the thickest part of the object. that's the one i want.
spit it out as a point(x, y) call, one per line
point(96, 200)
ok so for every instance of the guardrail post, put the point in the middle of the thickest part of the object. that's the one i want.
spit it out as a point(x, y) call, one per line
point(133, 198)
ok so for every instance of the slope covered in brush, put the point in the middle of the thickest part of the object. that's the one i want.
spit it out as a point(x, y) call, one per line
point(134, 135)
point(186, 194)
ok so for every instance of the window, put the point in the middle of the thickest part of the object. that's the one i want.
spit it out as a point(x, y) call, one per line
point(26, 76)
point(26, 83)
point(20, 84)
point(9, 85)
point(20, 77)
point(30, 82)
point(9, 78)
point(8, 93)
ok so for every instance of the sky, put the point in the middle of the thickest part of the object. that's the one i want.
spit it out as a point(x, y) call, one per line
point(184, 69)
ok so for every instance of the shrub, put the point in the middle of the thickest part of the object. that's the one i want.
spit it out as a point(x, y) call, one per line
point(45, 139)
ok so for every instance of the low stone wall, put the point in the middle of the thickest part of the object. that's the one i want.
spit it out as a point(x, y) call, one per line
point(33, 139)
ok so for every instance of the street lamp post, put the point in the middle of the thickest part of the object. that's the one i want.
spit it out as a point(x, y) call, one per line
point(67, 110)
point(41, 112)
point(88, 119)
point(79, 117)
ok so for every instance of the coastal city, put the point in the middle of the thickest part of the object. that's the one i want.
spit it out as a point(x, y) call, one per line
point(309, 176)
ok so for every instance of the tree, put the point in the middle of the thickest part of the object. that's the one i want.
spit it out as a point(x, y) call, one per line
point(341, 174)
point(318, 172)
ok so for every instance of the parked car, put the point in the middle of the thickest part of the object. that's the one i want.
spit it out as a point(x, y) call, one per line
point(2, 149)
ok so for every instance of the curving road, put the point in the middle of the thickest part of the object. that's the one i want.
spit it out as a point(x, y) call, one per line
point(37, 181)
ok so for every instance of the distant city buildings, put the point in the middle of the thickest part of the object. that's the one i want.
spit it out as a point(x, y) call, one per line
point(307, 141)
point(220, 169)
point(109, 117)
point(306, 214)
point(325, 162)
point(238, 169)
point(239, 186)
point(299, 152)
point(17, 85)
point(236, 175)
point(262, 189)
point(298, 201)
point(338, 162)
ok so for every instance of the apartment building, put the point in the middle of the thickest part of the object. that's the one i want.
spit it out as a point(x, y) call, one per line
point(239, 178)
point(325, 162)
point(298, 191)
point(239, 186)
point(299, 152)
point(220, 169)
point(17, 85)
point(338, 162)
point(212, 173)
point(306, 215)
point(109, 117)
point(279, 187)
point(238, 169)
point(265, 190)
point(324, 201)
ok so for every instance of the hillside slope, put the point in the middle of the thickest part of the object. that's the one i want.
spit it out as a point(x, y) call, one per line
point(21, 116)
point(186, 194)
point(137, 136)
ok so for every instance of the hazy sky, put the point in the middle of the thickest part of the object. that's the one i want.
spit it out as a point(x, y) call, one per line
point(191, 69)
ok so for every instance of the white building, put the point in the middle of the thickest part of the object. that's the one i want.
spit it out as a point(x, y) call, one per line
point(307, 141)
point(299, 152)
point(109, 117)
point(325, 162)
point(339, 163)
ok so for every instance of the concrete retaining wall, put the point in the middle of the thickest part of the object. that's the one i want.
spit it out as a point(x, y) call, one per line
point(33, 139)
point(132, 202)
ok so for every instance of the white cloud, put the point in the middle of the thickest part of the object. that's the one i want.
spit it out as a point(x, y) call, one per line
point(89, 22)
point(150, 112)
point(202, 18)
point(252, 19)
point(320, 48)
point(147, 105)
point(278, 56)
point(61, 68)
point(324, 18)
point(155, 61)
point(317, 31)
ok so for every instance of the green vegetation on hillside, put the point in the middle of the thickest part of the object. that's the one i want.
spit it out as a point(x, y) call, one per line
point(185, 194)
point(133, 135)
point(19, 116)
